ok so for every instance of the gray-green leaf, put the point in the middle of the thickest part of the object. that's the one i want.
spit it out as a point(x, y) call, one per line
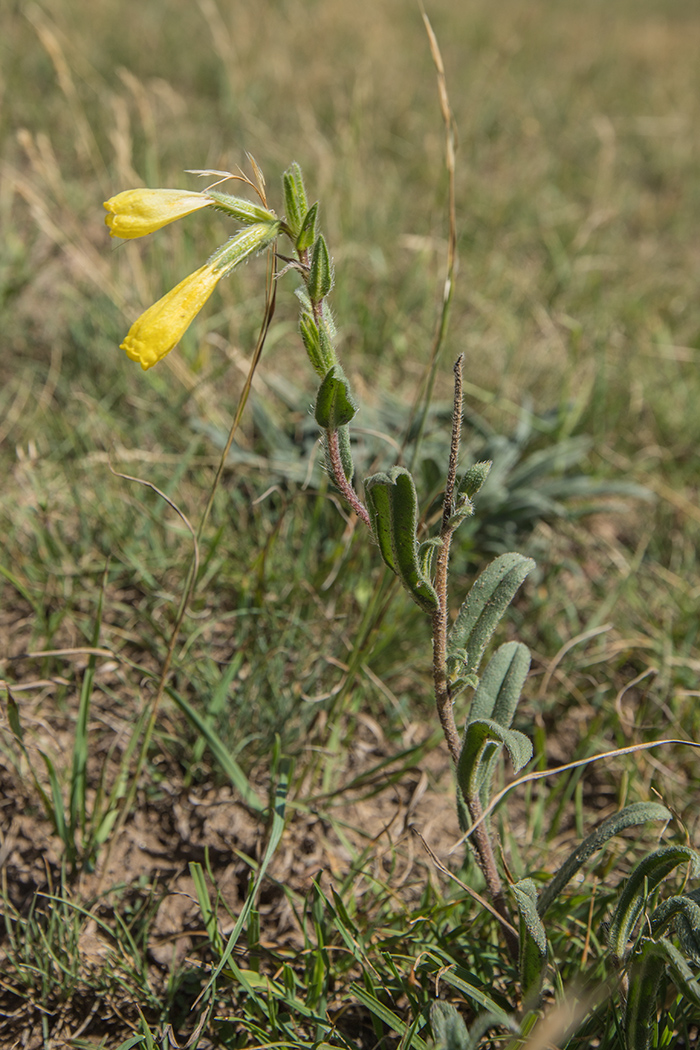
point(393, 509)
point(478, 749)
point(488, 599)
point(533, 941)
point(499, 690)
point(645, 972)
point(647, 874)
point(335, 405)
point(638, 813)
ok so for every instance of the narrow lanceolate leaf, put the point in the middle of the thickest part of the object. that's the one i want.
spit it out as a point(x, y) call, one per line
point(533, 942)
point(307, 231)
point(646, 969)
point(478, 749)
point(481, 1024)
point(648, 874)
point(393, 509)
point(320, 279)
point(490, 596)
point(628, 817)
point(426, 553)
point(335, 405)
point(294, 197)
point(684, 913)
point(311, 339)
point(499, 690)
point(449, 1030)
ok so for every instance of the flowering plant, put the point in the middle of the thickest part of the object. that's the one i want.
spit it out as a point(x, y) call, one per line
point(389, 509)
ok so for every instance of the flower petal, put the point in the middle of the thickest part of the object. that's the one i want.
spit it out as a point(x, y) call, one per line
point(135, 213)
point(161, 327)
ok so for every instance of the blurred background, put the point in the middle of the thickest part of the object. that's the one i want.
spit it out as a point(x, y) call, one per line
point(576, 307)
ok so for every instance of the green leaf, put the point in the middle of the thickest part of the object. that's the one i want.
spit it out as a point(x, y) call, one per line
point(461, 979)
point(533, 941)
point(473, 479)
point(684, 913)
point(638, 813)
point(647, 874)
point(274, 839)
point(426, 554)
point(498, 692)
point(449, 1030)
point(393, 509)
point(488, 599)
point(52, 807)
point(134, 1040)
point(221, 754)
point(478, 750)
point(311, 339)
point(481, 1025)
point(646, 969)
point(320, 279)
point(393, 1022)
point(208, 911)
point(335, 405)
point(307, 231)
point(294, 197)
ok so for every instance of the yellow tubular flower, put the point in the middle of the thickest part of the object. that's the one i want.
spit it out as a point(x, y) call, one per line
point(135, 213)
point(163, 325)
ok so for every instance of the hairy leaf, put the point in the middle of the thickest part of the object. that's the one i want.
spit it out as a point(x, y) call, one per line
point(647, 874)
point(477, 751)
point(294, 197)
point(473, 479)
point(449, 1030)
point(307, 232)
point(488, 599)
point(335, 405)
point(499, 690)
point(638, 813)
point(684, 913)
point(320, 271)
point(393, 509)
point(645, 972)
point(533, 941)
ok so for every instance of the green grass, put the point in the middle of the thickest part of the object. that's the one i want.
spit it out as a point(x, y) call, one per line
point(576, 307)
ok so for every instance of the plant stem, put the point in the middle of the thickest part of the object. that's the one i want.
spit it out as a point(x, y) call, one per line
point(487, 863)
point(341, 482)
point(443, 694)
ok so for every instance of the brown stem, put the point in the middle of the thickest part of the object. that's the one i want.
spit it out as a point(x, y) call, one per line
point(341, 482)
point(443, 695)
point(487, 863)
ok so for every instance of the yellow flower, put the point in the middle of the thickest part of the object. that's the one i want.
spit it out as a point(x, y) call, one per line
point(135, 213)
point(163, 325)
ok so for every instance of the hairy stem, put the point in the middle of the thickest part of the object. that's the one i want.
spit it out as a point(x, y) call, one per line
point(487, 863)
point(341, 482)
point(443, 695)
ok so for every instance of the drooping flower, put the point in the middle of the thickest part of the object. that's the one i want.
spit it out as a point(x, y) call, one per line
point(134, 213)
point(160, 328)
